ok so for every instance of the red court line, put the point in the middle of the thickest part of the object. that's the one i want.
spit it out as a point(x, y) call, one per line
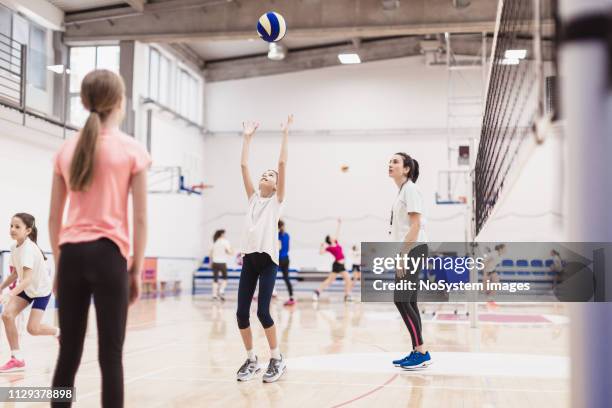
point(380, 387)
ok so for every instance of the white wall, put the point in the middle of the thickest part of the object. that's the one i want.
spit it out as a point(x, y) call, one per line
point(174, 219)
point(356, 115)
point(394, 94)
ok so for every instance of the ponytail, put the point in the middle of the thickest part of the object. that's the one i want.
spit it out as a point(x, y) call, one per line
point(101, 94)
point(81, 168)
point(30, 222)
point(415, 171)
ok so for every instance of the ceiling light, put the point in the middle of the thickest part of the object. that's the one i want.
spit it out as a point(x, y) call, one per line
point(277, 52)
point(58, 69)
point(349, 58)
point(515, 54)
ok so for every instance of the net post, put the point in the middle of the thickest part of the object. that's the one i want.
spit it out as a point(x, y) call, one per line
point(537, 50)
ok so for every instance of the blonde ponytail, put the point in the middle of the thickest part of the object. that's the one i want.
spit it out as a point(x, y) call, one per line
point(101, 93)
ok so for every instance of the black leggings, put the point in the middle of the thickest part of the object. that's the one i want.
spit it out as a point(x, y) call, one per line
point(284, 266)
point(256, 266)
point(406, 301)
point(92, 268)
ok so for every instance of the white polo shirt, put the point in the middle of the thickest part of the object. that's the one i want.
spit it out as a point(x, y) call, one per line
point(408, 200)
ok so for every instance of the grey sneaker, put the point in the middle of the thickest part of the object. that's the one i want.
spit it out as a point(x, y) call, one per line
point(275, 370)
point(248, 370)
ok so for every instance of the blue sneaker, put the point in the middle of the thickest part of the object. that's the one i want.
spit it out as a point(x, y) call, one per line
point(418, 360)
point(399, 362)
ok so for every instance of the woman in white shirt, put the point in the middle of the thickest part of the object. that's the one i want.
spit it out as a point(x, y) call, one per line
point(408, 227)
point(260, 248)
point(218, 258)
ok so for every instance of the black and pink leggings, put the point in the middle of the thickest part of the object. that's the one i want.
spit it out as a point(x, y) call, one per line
point(406, 301)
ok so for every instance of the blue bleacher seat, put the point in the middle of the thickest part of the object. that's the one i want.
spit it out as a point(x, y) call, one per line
point(538, 273)
point(508, 273)
point(522, 263)
point(548, 262)
point(523, 273)
point(537, 263)
point(507, 263)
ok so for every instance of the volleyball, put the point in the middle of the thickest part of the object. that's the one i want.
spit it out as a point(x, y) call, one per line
point(271, 27)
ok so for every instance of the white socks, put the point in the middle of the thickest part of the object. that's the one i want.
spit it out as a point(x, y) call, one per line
point(223, 286)
point(274, 353)
point(215, 289)
point(57, 333)
point(17, 354)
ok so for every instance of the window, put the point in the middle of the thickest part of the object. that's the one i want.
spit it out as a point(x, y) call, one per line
point(159, 77)
point(35, 37)
point(5, 21)
point(37, 57)
point(8, 88)
point(189, 96)
point(173, 87)
point(82, 61)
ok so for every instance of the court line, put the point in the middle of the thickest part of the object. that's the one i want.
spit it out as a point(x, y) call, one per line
point(336, 383)
point(367, 394)
point(129, 381)
point(27, 376)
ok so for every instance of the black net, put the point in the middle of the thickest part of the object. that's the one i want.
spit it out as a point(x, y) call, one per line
point(515, 96)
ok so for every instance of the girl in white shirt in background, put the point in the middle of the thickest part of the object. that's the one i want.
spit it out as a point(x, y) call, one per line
point(33, 286)
point(218, 257)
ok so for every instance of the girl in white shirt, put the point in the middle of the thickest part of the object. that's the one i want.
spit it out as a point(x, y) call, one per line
point(28, 268)
point(260, 248)
point(218, 258)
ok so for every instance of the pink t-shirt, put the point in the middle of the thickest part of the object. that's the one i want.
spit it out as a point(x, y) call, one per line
point(102, 210)
point(336, 251)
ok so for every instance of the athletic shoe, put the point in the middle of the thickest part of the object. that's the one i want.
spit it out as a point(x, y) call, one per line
point(290, 302)
point(399, 362)
point(13, 365)
point(275, 370)
point(348, 298)
point(222, 298)
point(248, 370)
point(418, 360)
point(215, 298)
point(315, 296)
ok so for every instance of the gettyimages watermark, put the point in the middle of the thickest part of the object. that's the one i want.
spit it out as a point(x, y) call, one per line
point(487, 271)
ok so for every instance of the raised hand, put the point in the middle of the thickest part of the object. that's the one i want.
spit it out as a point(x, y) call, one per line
point(285, 126)
point(249, 128)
